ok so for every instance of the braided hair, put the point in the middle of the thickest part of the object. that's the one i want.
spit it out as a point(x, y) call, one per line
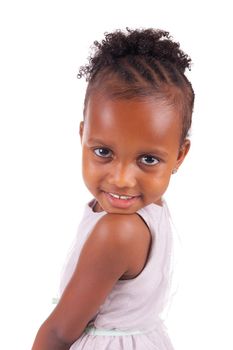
point(139, 63)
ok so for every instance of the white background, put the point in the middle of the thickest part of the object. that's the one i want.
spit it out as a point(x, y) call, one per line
point(42, 45)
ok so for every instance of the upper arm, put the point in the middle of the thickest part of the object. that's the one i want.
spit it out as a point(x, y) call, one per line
point(104, 258)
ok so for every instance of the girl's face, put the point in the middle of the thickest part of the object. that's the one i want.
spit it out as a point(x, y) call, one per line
point(130, 148)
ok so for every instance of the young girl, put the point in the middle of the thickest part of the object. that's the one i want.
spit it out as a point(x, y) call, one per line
point(137, 114)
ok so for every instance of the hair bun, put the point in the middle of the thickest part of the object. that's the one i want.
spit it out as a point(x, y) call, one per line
point(141, 42)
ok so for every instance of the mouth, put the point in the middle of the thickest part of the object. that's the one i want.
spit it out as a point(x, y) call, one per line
point(121, 201)
point(124, 197)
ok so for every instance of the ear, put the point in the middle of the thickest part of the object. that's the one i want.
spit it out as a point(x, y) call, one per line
point(183, 152)
point(81, 128)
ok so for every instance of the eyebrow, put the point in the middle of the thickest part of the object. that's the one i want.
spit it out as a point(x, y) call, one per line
point(91, 139)
point(159, 152)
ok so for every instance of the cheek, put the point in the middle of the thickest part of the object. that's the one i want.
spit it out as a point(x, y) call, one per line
point(87, 171)
point(90, 170)
point(158, 182)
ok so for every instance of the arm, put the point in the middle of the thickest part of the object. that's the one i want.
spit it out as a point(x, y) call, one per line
point(105, 257)
point(46, 338)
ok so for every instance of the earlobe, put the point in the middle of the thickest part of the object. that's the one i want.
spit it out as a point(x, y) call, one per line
point(81, 127)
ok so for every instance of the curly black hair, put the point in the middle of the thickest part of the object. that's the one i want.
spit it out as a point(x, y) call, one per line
point(139, 63)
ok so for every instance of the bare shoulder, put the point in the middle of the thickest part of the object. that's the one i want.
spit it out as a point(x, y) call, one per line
point(122, 241)
point(121, 229)
point(127, 237)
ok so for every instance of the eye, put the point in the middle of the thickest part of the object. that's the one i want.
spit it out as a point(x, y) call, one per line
point(103, 152)
point(149, 160)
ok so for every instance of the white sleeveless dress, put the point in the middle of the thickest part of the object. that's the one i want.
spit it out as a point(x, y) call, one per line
point(130, 318)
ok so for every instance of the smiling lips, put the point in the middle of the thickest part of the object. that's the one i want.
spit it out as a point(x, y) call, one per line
point(121, 201)
point(121, 196)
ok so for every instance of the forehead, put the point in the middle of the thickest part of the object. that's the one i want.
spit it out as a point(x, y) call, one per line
point(147, 120)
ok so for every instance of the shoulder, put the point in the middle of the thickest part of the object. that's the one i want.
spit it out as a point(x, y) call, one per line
point(124, 238)
point(119, 229)
point(115, 240)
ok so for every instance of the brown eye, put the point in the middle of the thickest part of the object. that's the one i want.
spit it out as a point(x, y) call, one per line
point(103, 152)
point(149, 160)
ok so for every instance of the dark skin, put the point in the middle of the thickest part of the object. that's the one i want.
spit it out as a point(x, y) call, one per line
point(130, 148)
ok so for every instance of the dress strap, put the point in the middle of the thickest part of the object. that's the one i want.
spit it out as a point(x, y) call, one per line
point(92, 203)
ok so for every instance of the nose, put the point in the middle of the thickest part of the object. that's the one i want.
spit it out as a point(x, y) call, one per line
point(122, 176)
